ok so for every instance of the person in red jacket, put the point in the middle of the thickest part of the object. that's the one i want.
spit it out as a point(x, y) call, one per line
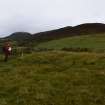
point(7, 50)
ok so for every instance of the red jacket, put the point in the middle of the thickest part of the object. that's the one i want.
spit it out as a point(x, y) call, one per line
point(6, 50)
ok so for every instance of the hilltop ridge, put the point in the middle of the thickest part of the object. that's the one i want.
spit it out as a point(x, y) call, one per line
point(69, 31)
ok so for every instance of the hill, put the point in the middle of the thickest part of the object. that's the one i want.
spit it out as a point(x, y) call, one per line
point(83, 29)
point(19, 36)
point(95, 42)
point(53, 78)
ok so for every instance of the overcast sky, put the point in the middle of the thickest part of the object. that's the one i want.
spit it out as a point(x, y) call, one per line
point(40, 15)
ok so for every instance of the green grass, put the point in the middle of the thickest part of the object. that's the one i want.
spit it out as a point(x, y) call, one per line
point(94, 42)
point(53, 78)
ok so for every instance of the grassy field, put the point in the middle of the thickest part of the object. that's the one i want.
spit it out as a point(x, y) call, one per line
point(53, 78)
point(93, 42)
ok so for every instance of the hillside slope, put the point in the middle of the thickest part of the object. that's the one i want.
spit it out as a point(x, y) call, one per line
point(83, 29)
point(93, 42)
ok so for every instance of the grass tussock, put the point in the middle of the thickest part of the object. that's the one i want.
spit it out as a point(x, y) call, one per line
point(53, 78)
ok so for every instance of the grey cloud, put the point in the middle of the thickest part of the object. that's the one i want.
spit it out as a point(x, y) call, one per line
point(41, 15)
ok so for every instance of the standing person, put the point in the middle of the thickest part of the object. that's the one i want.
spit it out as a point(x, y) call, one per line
point(7, 50)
